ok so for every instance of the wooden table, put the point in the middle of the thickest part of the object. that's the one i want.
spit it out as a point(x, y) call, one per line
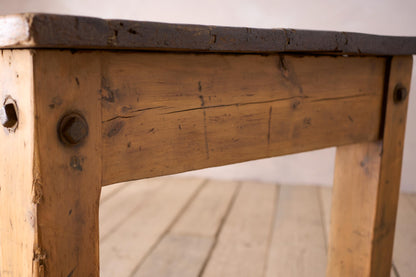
point(90, 102)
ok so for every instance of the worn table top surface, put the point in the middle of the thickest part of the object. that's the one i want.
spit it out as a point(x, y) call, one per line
point(75, 32)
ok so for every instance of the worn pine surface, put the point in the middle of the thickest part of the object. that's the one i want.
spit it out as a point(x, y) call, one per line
point(220, 109)
point(18, 207)
point(390, 165)
point(146, 102)
point(68, 178)
point(366, 190)
point(49, 193)
point(295, 245)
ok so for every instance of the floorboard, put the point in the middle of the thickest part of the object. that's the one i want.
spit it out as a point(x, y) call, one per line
point(125, 201)
point(404, 253)
point(325, 198)
point(412, 198)
point(175, 227)
point(126, 247)
point(298, 244)
point(177, 256)
point(242, 246)
point(184, 250)
point(206, 213)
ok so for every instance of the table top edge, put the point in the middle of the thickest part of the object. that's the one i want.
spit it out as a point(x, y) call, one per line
point(37, 30)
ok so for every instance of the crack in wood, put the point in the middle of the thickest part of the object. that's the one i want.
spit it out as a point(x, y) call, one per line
point(238, 104)
point(269, 125)
point(341, 97)
point(132, 115)
point(203, 107)
point(206, 135)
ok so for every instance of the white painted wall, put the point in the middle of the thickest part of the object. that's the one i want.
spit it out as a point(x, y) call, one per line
point(386, 17)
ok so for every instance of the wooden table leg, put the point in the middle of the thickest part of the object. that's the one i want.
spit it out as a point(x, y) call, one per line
point(366, 190)
point(50, 191)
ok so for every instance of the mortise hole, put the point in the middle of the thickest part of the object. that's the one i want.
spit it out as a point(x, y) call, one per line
point(10, 101)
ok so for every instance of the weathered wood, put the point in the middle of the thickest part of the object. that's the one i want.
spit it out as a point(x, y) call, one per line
point(326, 197)
point(149, 223)
point(246, 234)
point(147, 109)
point(366, 188)
point(67, 178)
point(49, 192)
point(298, 244)
point(167, 113)
point(61, 31)
point(18, 207)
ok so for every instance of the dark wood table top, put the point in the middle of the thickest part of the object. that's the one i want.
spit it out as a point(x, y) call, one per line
point(75, 32)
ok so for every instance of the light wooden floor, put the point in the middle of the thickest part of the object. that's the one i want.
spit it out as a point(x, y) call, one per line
point(193, 227)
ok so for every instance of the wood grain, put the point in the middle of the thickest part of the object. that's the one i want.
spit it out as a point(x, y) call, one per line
point(298, 244)
point(366, 188)
point(52, 210)
point(18, 232)
point(390, 167)
point(326, 197)
point(152, 114)
point(245, 235)
point(68, 179)
point(78, 32)
point(219, 109)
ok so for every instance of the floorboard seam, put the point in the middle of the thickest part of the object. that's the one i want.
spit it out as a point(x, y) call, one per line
point(410, 200)
point(221, 225)
point(396, 272)
point(168, 228)
point(125, 218)
point(322, 215)
point(272, 228)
